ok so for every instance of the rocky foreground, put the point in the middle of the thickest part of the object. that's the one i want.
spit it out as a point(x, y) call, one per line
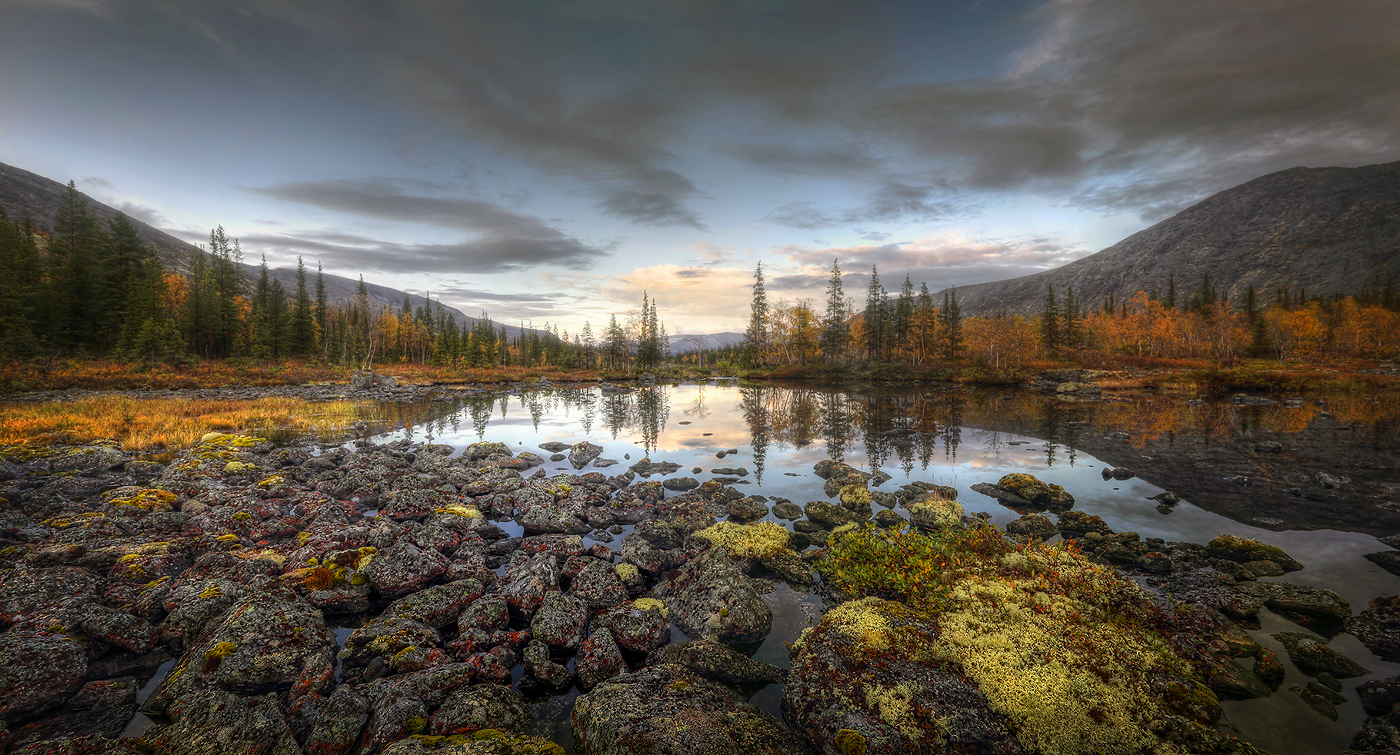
point(205, 593)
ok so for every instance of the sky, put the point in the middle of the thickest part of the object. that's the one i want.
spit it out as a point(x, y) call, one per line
point(549, 161)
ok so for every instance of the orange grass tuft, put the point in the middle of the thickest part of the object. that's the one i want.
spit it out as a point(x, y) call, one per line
point(139, 424)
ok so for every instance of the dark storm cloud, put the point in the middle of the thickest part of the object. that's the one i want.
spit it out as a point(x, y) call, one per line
point(489, 254)
point(508, 240)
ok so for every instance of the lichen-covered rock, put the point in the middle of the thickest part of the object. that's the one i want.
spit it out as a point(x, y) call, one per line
point(637, 626)
point(486, 742)
point(934, 512)
point(528, 581)
point(583, 452)
point(489, 614)
point(1033, 525)
point(720, 664)
point(598, 658)
point(1378, 628)
point(828, 514)
point(480, 707)
point(541, 669)
point(1077, 524)
point(272, 641)
point(711, 598)
point(337, 724)
point(38, 670)
point(1312, 656)
point(1241, 550)
point(404, 568)
point(1316, 608)
point(560, 621)
point(746, 509)
point(865, 669)
point(1042, 494)
point(669, 710)
point(598, 586)
point(437, 606)
point(213, 720)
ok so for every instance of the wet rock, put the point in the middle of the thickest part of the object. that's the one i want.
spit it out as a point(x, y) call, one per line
point(554, 446)
point(746, 509)
point(1388, 560)
point(1318, 702)
point(38, 671)
point(720, 664)
point(1331, 481)
point(528, 581)
point(681, 483)
point(1040, 494)
point(1077, 524)
point(710, 598)
point(1241, 550)
point(789, 510)
point(670, 709)
point(1269, 668)
point(1312, 656)
point(1316, 608)
point(484, 706)
point(1268, 447)
point(637, 627)
point(598, 659)
point(1378, 628)
point(1229, 680)
point(891, 702)
point(886, 519)
point(598, 586)
point(583, 452)
point(1379, 696)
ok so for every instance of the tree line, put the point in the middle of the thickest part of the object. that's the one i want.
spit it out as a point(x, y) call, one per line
point(913, 328)
point(86, 288)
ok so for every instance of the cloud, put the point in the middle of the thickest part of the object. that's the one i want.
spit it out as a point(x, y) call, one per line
point(891, 203)
point(487, 255)
point(148, 215)
point(507, 240)
point(709, 253)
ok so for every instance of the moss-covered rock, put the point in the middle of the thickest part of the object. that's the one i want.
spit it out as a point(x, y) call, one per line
point(710, 598)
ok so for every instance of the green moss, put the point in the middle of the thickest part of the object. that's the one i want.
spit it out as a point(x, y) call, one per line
point(242, 516)
point(238, 467)
point(271, 482)
point(359, 579)
point(1245, 549)
point(213, 656)
point(415, 725)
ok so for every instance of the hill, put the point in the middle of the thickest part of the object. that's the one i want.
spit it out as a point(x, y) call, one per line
point(683, 344)
point(28, 195)
point(1329, 230)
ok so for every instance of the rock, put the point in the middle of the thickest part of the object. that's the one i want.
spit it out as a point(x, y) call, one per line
point(710, 598)
point(214, 720)
point(468, 710)
point(554, 446)
point(1312, 656)
point(1123, 473)
point(583, 452)
point(669, 709)
point(338, 722)
point(1269, 668)
point(681, 483)
point(1241, 550)
point(746, 509)
point(789, 510)
point(935, 513)
point(1388, 560)
point(541, 669)
point(1378, 628)
point(38, 670)
point(896, 700)
point(1077, 524)
point(1268, 447)
point(828, 514)
point(560, 621)
point(1379, 696)
point(1041, 494)
point(362, 379)
point(599, 586)
point(637, 627)
point(598, 659)
point(720, 664)
point(528, 582)
point(1318, 702)
point(404, 568)
point(1033, 525)
point(1330, 481)
point(1316, 608)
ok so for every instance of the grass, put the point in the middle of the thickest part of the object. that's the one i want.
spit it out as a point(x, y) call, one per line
point(152, 424)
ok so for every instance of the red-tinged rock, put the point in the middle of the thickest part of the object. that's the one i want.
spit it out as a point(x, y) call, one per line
point(38, 671)
point(636, 629)
point(338, 722)
point(482, 706)
point(561, 621)
point(404, 568)
point(116, 628)
point(417, 659)
point(598, 659)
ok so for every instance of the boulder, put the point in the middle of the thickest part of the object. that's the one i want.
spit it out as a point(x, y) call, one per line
point(720, 664)
point(404, 568)
point(711, 598)
point(1378, 628)
point(637, 626)
point(483, 706)
point(598, 659)
point(1312, 656)
point(560, 621)
point(669, 710)
point(38, 671)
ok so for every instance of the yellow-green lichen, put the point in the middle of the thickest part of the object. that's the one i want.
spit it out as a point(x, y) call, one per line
point(271, 482)
point(238, 467)
point(652, 604)
point(215, 655)
point(761, 540)
point(855, 496)
point(850, 742)
point(626, 572)
point(457, 509)
point(241, 516)
point(415, 725)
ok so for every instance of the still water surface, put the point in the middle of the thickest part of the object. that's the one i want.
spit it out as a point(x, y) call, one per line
point(1206, 452)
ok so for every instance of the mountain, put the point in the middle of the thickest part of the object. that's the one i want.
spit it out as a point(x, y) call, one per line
point(25, 195)
point(1329, 230)
point(682, 344)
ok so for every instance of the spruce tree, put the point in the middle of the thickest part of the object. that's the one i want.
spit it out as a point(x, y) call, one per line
point(904, 314)
point(1050, 320)
point(951, 319)
point(321, 310)
point(1070, 330)
point(874, 316)
point(303, 340)
point(835, 335)
point(756, 336)
point(16, 334)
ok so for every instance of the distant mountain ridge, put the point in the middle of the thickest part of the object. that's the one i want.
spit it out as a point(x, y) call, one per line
point(26, 195)
point(683, 344)
point(1329, 230)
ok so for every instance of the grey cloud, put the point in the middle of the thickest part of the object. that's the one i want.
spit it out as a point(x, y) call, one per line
point(692, 273)
point(148, 215)
point(892, 202)
point(837, 160)
point(487, 255)
point(508, 240)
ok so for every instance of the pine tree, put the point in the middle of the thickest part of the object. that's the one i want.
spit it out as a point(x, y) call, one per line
point(73, 256)
point(1171, 291)
point(835, 335)
point(1070, 331)
point(616, 348)
point(756, 336)
point(16, 334)
point(904, 314)
point(321, 310)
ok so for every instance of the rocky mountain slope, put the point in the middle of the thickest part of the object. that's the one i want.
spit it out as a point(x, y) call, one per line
point(26, 195)
point(1325, 229)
